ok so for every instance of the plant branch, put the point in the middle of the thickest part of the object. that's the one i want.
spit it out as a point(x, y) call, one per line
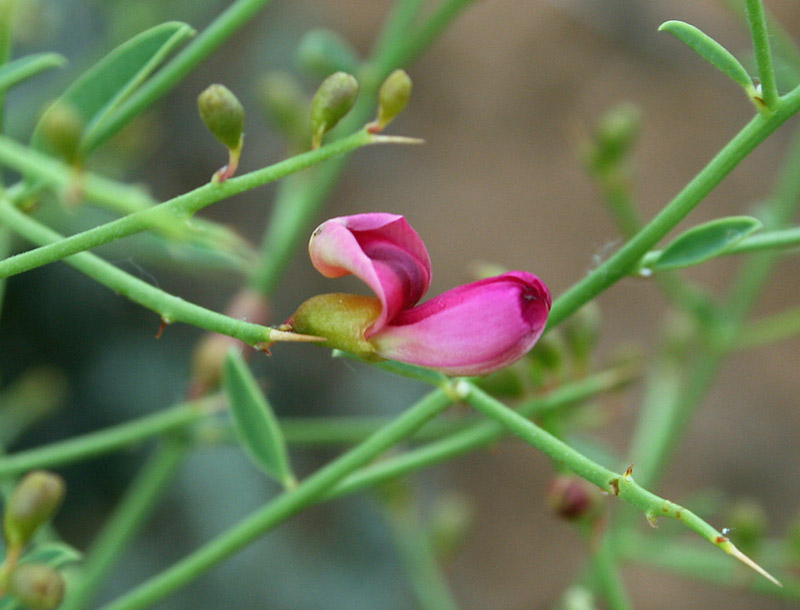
point(209, 40)
point(176, 210)
point(477, 436)
point(170, 308)
point(283, 507)
point(110, 439)
point(136, 506)
point(766, 73)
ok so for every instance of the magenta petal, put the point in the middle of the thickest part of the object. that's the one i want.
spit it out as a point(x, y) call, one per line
point(380, 249)
point(470, 330)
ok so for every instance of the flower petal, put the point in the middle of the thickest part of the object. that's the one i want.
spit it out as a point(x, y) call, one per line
point(474, 329)
point(380, 249)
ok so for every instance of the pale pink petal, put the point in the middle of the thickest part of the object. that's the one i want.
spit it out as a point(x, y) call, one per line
point(470, 330)
point(380, 249)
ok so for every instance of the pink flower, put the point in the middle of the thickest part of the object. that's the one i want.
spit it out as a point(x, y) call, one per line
point(473, 329)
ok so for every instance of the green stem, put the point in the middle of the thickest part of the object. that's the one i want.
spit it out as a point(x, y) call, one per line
point(184, 206)
point(769, 330)
point(397, 25)
point(622, 485)
point(7, 9)
point(223, 27)
point(414, 547)
point(170, 308)
point(136, 506)
point(704, 563)
point(620, 264)
point(477, 436)
point(407, 48)
point(301, 198)
point(766, 73)
point(283, 507)
point(606, 574)
point(108, 440)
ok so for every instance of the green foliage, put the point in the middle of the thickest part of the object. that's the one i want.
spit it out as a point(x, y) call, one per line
point(704, 242)
point(256, 424)
point(101, 89)
point(19, 70)
point(710, 50)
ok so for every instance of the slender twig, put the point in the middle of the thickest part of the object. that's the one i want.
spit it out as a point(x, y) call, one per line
point(176, 210)
point(620, 263)
point(110, 439)
point(621, 485)
point(221, 29)
point(766, 73)
point(139, 501)
point(283, 507)
point(170, 308)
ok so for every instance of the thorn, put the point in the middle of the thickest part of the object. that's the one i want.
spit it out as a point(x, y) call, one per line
point(614, 483)
point(160, 331)
point(629, 472)
point(732, 550)
point(381, 139)
point(282, 335)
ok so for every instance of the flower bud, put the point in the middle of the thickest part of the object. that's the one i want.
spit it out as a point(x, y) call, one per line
point(392, 99)
point(62, 127)
point(322, 52)
point(581, 333)
point(332, 101)
point(613, 138)
point(223, 114)
point(285, 105)
point(452, 518)
point(573, 498)
point(211, 352)
point(33, 502)
point(341, 318)
point(37, 586)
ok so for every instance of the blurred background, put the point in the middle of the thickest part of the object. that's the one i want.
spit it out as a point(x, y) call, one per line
point(503, 100)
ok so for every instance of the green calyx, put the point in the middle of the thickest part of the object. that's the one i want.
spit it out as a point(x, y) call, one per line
point(223, 114)
point(333, 100)
point(393, 97)
point(342, 319)
point(33, 502)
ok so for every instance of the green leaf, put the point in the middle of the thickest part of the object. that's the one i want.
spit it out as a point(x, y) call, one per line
point(704, 242)
point(710, 50)
point(16, 71)
point(54, 554)
point(104, 86)
point(256, 424)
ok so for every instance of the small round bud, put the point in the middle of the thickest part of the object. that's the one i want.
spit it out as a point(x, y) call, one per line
point(341, 318)
point(211, 352)
point(223, 114)
point(392, 98)
point(33, 502)
point(62, 127)
point(332, 101)
point(614, 136)
point(573, 498)
point(322, 52)
point(37, 586)
point(582, 332)
point(285, 105)
point(453, 516)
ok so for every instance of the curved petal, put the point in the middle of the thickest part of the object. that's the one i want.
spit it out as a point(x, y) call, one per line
point(473, 329)
point(380, 249)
